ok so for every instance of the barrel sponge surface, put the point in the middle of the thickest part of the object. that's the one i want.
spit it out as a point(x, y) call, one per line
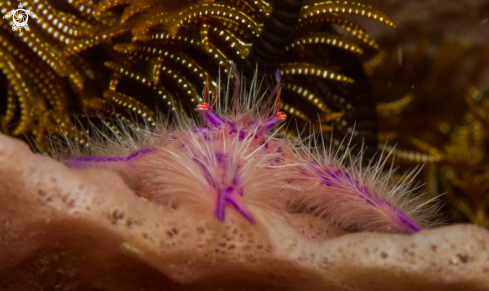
point(84, 229)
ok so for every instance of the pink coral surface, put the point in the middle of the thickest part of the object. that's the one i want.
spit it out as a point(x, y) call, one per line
point(84, 229)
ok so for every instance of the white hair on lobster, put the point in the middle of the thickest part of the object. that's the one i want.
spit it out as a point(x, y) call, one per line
point(234, 161)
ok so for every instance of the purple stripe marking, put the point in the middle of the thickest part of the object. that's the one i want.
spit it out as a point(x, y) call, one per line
point(241, 210)
point(221, 203)
point(207, 175)
point(77, 162)
point(270, 123)
point(242, 134)
point(410, 226)
point(221, 160)
point(201, 129)
point(406, 223)
point(225, 196)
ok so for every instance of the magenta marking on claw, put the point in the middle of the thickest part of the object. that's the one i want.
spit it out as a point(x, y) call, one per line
point(212, 119)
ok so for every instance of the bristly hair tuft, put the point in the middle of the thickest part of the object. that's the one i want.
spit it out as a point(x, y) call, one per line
point(234, 160)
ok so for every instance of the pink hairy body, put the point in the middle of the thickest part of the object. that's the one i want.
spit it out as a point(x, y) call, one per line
point(234, 162)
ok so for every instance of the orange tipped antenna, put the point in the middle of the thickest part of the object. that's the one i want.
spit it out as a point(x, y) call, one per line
point(216, 97)
point(278, 101)
point(206, 91)
point(236, 86)
point(276, 89)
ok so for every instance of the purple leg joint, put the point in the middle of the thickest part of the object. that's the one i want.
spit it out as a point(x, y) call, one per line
point(212, 119)
point(231, 196)
point(408, 225)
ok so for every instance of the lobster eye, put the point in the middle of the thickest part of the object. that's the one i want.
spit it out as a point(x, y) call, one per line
point(203, 106)
point(281, 115)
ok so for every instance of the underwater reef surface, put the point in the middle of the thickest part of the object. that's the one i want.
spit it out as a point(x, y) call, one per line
point(419, 89)
point(72, 229)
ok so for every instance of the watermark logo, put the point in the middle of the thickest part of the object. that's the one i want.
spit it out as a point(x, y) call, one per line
point(20, 17)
